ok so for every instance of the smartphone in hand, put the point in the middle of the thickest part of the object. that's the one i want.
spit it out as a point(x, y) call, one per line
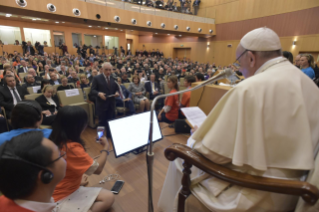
point(99, 133)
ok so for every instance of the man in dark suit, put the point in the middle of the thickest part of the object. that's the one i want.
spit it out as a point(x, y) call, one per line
point(125, 98)
point(11, 94)
point(152, 87)
point(103, 86)
point(23, 68)
point(63, 71)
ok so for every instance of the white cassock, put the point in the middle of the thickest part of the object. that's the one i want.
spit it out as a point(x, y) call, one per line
point(268, 125)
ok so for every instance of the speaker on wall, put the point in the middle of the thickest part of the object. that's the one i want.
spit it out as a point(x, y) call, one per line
point(76, 12)
point(149, 23)
point(98, 16)
point(176, 27)
point(188, 29)
point(199, 29)
point(117, 18)
point(133, 21)
point(51, 7)
point(163, 25)
point(21, 3)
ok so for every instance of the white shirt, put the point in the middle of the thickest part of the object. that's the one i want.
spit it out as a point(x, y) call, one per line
point(36, 206)
point(13, 96)
point(51, 101)
point(25, 69)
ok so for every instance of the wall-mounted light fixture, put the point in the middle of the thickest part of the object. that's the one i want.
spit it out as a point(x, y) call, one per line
point(294, 43)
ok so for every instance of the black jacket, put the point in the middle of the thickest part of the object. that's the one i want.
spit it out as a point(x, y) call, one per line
point(26, 85)
point(99, 84)
point(148, 88)
point(45, 104)
point(52, 83)
point(62, 88)
point(6, 99)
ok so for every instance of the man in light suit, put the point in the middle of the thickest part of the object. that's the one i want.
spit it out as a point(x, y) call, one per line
point(106, 90)
point(125, 98)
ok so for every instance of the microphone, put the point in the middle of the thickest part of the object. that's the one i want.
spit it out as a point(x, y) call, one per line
point(150, 154)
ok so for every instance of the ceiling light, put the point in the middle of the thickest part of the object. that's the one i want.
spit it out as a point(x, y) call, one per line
point(38, 18)
point(34, 19)
point(132, 30)
point(180, 35)
point(63, 22)
point(98, 26)
point(168, 34)
point(156, 33)
point(116, 28)
point(121, 30)
point(56, 22)
point(106, 28)
point(94, 36)
point(8, 15)
point(90, 26)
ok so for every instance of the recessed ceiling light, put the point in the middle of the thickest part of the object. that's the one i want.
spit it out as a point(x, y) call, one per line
point(38, 18)
point(121, 30)
point(94, 36)
point(132, 30)
point(156, 33)
point(90, 26)
point(168, 34)
point(34, 19)
point(56, 22)
point(180, 35)
point(8, 15)
point(106, 28)
point(116, 28)
point(98, 26)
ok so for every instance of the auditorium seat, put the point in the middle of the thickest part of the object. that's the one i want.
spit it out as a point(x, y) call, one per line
point(308, 191)
point(126, 85)
point(56, 86)
point(78, 100)
point(32, 96)
point(21, 76)
point(30, 90)
point(181, 81)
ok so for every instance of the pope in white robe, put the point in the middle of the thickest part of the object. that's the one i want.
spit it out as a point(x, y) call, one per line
point(268, 125)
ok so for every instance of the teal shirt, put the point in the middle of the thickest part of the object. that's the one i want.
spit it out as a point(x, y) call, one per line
point(6, 136)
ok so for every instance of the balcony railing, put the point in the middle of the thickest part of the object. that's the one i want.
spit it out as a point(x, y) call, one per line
point(150, 10)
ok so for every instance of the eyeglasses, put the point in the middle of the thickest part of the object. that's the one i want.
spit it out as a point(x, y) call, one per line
point(62, 155)
point(108, 69)
point(236, 63)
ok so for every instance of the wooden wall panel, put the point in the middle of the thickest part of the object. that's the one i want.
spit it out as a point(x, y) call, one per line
point(304, 22)
point(226, 11)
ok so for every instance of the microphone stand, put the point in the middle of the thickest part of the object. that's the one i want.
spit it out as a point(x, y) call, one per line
point(150, 154)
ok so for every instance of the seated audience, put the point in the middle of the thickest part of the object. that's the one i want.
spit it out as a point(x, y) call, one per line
point(125, 78)
point(23, 68)
point(199, 77)
point(186, 97)
point(49, 103)
point(152, 87)
point(53, 79)
point(70, 122)
point(43, 84)
point(17, 61)
point(289, 56)
point(34, 74)
point(84, 82)
point(74, 78)
point(11, 94)
point(138, 91)
point(26, 116)
point(125, 98)
point(90, 76)
point(169, 113)
point(307, 65)
point(64, 84)
point(31, 167)
point(30, 81)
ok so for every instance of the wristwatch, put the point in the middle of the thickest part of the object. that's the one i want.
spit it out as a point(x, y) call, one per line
point(104, 150)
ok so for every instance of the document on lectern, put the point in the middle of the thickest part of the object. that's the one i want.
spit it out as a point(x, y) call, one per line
point(194, 115)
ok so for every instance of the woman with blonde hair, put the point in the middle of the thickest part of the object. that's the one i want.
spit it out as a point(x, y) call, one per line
point(84, 82)
point(49, 103)
point(138, 90)
point(307, 65)
point(169, 113)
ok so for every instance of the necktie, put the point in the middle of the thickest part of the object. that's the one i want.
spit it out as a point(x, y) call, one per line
point(121, 93)
point(16, 95)
point(153, 87)
point(108, 83)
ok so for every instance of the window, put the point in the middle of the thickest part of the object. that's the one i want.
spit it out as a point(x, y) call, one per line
point(111, 42)
point(93, 40)
point(58, 38)
point(37, 35)
point(8, 34)
point(76, 39)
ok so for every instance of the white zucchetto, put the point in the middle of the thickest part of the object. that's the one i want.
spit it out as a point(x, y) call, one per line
point(261, 39)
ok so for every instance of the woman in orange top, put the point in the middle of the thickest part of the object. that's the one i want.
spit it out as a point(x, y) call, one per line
point(169, 113)
point(68, 126)
point(16, 62)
